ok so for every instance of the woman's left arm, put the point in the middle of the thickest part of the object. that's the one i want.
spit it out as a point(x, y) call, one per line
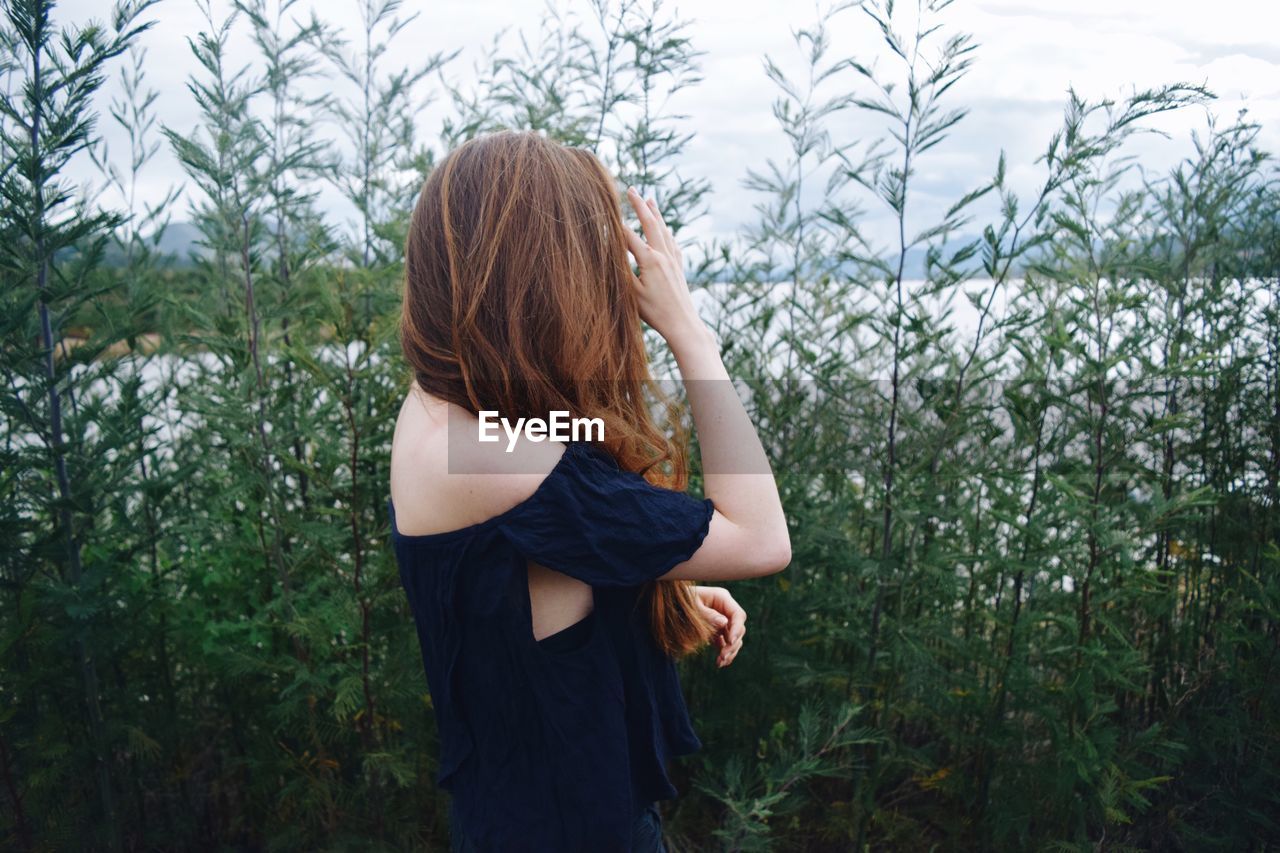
point(728, 614)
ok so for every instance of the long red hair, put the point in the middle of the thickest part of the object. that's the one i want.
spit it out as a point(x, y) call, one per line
point(519, 298)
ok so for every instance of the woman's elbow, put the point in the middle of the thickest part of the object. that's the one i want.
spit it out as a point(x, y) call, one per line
point(775, 555)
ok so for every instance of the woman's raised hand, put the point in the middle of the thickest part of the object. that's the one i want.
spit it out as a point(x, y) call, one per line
point(748, 534)
point(665, 302)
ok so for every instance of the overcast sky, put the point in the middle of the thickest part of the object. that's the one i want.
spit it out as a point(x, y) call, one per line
point(1028, 54)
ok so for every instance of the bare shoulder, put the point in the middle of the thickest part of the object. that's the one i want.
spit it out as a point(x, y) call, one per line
point(443, 478)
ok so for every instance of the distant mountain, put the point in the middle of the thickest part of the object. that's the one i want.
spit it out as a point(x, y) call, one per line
point(913, 267)
point(180, 240)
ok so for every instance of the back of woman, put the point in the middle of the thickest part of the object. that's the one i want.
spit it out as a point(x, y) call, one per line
point(550, 566)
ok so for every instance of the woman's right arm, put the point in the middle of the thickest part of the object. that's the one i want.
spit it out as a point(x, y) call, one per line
point(748, 534)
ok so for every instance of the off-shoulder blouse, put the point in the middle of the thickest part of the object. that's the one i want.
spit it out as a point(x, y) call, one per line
point(548, 746)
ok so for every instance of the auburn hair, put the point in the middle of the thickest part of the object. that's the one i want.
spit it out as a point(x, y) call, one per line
point(519, 298)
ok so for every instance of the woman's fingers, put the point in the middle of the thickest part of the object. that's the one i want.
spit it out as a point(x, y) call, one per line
point(717, 599)
point(639, 249)
point(728, 653)
point(668, 239)
point(719, 620)
point(736, 632)
point(716, 617)
point(647, 222)
point(650, 222)
point(720, 601)
point(737, 615)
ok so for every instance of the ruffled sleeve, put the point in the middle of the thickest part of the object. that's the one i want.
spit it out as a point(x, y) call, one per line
point(606, 526)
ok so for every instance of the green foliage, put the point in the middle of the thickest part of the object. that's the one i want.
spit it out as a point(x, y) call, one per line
point(1034, 596)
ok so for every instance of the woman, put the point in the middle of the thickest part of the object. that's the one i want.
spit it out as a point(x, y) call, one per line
point(551, 582)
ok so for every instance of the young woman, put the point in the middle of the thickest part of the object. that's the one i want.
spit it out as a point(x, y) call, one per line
point(552, 582)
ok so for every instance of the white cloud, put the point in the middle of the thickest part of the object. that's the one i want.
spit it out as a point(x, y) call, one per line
point(1029, 53)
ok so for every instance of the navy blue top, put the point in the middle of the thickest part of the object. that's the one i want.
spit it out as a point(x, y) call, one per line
point(554, 746)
